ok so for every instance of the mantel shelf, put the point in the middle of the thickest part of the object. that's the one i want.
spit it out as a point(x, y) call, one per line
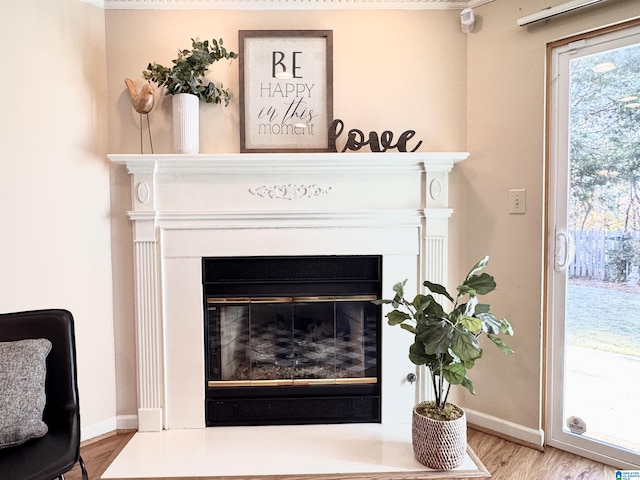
point(291, 162)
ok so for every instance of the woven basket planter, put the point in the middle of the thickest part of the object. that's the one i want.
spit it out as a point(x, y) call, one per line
point(439, 444)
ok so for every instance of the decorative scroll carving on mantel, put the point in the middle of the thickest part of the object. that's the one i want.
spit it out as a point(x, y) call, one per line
point(290, 191)
point(287, 4)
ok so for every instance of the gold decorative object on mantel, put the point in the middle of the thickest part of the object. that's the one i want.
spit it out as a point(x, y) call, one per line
point(142, 103)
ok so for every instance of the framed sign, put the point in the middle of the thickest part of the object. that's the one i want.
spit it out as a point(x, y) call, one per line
point(286, 90)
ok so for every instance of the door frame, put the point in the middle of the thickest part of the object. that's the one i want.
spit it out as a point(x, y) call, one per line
point(556, 181)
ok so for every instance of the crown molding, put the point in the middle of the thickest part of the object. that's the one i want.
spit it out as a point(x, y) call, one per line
point(286, 4)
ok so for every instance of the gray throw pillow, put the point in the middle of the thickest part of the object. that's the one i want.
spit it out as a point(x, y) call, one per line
point(23, 371)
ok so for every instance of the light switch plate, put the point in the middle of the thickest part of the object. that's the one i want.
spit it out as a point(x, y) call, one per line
point(517, 201)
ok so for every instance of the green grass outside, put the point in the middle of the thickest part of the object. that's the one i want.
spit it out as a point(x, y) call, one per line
point(603, 318)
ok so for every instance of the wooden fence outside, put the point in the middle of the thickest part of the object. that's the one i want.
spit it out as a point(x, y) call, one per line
point(593, 249)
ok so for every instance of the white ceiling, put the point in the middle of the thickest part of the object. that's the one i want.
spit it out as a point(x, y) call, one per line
point(288, 4)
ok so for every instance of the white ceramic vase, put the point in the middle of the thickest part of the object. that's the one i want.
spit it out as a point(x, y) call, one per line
point(186, 123)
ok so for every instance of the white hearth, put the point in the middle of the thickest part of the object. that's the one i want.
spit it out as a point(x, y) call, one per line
point(186, 207)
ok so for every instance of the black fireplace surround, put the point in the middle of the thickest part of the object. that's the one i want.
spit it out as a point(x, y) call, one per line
point(292, 339)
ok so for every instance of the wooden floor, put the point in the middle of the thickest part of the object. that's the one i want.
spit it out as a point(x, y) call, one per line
point(505, 460)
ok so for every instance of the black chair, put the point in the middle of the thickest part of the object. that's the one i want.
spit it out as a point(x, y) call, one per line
point(57, 452)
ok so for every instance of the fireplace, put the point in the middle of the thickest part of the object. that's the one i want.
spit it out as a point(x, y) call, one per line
point(186, 208)
point(292, 339)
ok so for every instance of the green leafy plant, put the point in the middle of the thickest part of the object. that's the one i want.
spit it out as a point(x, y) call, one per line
point(448, 343)
point(188, 71)
point(622, 254)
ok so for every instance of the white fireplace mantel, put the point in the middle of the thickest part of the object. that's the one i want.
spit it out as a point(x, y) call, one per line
point(314, 162)
point(185, 207)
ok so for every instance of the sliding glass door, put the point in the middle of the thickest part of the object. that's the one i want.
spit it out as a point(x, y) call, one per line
point(593, 294)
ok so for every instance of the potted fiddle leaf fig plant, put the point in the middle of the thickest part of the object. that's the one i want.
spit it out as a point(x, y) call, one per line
point(186, 82)
point(447, 343)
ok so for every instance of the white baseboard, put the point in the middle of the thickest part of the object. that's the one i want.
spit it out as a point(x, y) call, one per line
point(96, 429)
point(127, 422)
point(504, 427)
point(120, 422)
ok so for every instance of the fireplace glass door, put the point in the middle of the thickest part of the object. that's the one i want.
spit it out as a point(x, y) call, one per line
point(292, 341)
point(300, 344)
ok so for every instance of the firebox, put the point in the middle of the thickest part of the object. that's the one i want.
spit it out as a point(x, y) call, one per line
point(292, 340)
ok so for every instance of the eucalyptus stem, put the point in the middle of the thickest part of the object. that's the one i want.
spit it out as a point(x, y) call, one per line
point(187, 75)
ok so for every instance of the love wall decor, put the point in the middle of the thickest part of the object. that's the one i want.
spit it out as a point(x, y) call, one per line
point(286, 90)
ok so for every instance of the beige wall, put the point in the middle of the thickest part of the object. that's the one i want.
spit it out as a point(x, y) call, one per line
point(54, 181)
